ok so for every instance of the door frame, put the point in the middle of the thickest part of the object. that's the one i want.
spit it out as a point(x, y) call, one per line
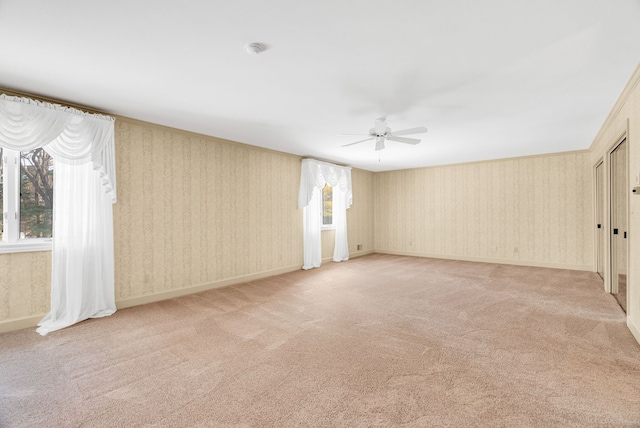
point(599, 238)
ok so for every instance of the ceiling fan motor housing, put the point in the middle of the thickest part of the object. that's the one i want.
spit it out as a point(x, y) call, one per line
point(376, 133)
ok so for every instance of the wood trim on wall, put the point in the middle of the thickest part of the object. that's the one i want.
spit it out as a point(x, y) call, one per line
point(617, 107)
point(488, 260)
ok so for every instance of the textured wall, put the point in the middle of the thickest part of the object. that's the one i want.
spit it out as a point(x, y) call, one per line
point(25, 284)
point(360, 216)
point(195, 210)
point(534, 210)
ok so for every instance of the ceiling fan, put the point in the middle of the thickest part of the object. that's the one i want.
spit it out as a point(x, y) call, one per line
point(381, 132)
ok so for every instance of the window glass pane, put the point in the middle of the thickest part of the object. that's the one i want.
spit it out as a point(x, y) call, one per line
point(1, 195)
point(327, 205)
point(36, 194)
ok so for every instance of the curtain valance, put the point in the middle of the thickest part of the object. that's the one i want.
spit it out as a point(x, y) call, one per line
point(69, 135)
point(315, 174)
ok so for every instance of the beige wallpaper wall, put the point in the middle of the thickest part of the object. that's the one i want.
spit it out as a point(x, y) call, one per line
point(25, 284)
point(192, 212)
point(534, 211)
point(360, 218)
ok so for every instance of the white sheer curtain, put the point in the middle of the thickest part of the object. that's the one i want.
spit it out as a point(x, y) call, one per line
point(312, 223)
point(313, 177)
point(341, 201)
point(82, 146)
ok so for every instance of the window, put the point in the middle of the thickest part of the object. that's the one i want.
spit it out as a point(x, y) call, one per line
point(327, 207)
point(26, 200)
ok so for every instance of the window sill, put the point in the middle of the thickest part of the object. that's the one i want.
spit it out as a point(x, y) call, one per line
point(328, 227)
point(26, 246)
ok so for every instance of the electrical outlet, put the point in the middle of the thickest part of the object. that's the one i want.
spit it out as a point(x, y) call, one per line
point(359, 247)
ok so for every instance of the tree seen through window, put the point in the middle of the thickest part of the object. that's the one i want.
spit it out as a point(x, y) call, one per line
point(36, 194)
point(327, 205)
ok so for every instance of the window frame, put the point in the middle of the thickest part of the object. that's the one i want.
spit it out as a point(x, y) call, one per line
point(11, 241)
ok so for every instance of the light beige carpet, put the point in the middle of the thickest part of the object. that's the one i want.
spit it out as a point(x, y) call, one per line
point(376, 341)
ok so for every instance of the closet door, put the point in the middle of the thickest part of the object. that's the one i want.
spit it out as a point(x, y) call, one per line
point(618, 233)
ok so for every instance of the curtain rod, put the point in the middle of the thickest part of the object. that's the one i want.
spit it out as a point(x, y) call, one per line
point(15, 93)
point(326, 163)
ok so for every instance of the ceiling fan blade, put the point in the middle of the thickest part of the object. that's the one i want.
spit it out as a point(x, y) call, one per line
point(404, 140)
point(379, 143)
point(361, 141)
point(418, 130)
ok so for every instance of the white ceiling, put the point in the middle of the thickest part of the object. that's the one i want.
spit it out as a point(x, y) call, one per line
point(490, 79)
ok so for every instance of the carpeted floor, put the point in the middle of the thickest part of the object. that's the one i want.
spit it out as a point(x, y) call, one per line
point(379, 340)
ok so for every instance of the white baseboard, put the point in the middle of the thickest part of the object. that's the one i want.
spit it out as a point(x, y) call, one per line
point(490, 260)
point(32, 321)
point(352, 255)
point(170, 294)
point(635, 330)
point(360, 253)
point(20, 323)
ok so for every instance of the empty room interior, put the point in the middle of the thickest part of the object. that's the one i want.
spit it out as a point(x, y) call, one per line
point(320, 214)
